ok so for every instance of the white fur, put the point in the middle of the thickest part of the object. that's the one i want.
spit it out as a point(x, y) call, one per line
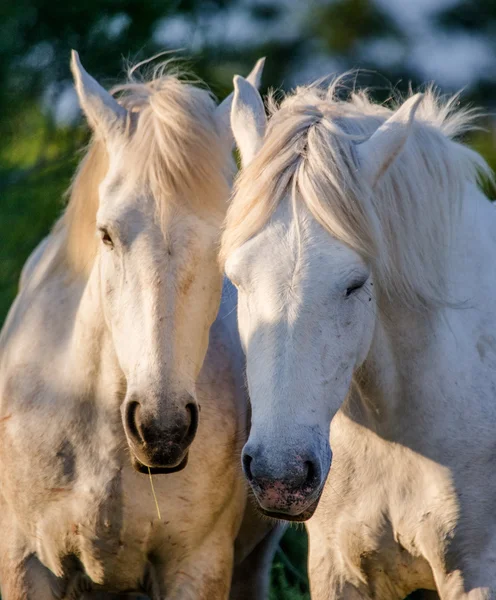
point(224, 108)
point(377, 153)
point(100, 108)
point(400, 376)
point(247, 119)
point(92, 322)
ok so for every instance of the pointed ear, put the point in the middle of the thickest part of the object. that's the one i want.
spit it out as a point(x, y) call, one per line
point(223, 111)
point(380, 150)
point(102, 110)
point(248, 120)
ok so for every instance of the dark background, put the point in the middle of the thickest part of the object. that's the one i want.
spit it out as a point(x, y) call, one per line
point(449, 41)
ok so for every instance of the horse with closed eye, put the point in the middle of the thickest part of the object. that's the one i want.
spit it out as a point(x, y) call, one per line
point(363, 252)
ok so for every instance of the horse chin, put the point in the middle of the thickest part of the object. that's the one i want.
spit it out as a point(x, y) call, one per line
point(141, 468)
point(304, 515)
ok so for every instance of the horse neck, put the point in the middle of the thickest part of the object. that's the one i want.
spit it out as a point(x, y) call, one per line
point(391, 393)
point(91, 355)
point(378, 395)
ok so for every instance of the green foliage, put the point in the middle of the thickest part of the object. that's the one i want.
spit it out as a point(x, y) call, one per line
point(281, 588)
point(336, 24)
point(478, 17)
point(29, 209)
point(35, 170)
point(289, 572)
point(37, 158)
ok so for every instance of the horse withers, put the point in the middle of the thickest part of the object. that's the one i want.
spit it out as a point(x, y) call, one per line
point(103, 382)
point(363, 251)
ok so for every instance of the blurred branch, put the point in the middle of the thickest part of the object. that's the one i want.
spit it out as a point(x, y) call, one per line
point(476, 17)
point(299, 576)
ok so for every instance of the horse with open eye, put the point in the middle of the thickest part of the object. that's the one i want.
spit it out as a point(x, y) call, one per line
point(363, 252)
point(105, 363)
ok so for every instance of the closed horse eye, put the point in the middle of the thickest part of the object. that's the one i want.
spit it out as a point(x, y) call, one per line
point(106, 239)
point(354, 288)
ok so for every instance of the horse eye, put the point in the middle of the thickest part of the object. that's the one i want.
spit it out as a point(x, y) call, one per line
point(106, 239)
point(355, 287)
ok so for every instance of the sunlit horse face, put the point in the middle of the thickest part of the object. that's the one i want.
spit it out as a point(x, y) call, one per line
point(307, 315)
point(160, 291)
point(306, 319)
point(160, 283)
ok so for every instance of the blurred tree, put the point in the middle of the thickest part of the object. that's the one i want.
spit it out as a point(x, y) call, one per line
point(479, 20)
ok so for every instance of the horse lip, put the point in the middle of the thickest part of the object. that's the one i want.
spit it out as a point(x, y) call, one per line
point(284, 516)
point(158, 470)
point(304, 515)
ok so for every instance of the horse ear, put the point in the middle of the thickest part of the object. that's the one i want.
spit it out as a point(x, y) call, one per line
point(223, 111)
point(102, 110)
point(380, 150)
point(248, 120)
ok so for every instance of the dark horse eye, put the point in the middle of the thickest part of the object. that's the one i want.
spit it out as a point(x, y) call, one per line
point(355, 287)
point(106, 239)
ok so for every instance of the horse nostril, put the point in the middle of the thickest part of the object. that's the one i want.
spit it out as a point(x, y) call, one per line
point(247, 460)
point(312, 473)
point(132, 416)
point(192, 409)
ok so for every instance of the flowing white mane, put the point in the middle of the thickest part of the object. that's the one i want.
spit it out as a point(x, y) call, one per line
point(173, 150)
point(403, 227)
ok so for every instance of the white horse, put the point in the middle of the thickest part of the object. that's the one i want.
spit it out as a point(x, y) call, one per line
point(112, 317)
point(364, 255)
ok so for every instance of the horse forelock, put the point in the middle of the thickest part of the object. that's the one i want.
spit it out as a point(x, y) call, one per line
point(402, 227)
point(173, 149)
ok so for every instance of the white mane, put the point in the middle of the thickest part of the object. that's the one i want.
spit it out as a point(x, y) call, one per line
point(403, 228)
point(174, 150)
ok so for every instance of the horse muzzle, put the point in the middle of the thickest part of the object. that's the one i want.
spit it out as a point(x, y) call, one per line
point(288, 489)
point(159, 444)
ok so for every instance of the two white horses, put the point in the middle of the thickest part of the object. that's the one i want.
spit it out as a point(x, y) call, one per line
point(364, 255)
point(362, 250)
point(101, 377)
